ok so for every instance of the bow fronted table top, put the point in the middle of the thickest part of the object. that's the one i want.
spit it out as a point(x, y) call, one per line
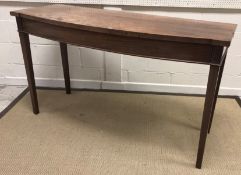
point(133, 24)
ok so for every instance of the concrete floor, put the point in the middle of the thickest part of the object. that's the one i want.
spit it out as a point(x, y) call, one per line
point(8, 94)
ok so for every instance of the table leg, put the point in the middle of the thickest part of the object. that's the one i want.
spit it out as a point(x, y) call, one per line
point(216, 92)
point(27, 57)
point(65, 63)
point(209, 101)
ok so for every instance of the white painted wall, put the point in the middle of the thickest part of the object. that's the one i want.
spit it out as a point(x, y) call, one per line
point(96, 69)
point(232, 4)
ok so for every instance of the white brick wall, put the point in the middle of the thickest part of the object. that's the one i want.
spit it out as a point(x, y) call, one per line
point(96, 69)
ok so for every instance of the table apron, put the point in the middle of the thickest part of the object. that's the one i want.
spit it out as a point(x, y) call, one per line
point(157, 49)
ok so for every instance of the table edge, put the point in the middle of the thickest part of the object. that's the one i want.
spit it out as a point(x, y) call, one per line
point(130, 33)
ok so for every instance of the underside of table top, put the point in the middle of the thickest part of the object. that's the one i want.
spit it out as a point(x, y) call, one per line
point(133, 24)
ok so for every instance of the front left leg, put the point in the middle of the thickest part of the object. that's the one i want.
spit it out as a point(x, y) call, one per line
point(27, 57)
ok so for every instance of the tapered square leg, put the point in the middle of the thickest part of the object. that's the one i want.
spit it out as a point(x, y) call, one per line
point(220, 74)
point(65, 63)
point(209, 101)
point(27, 57)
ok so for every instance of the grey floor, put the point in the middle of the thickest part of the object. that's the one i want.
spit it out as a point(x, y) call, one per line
point(8, 94)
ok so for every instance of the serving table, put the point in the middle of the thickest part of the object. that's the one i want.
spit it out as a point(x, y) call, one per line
point(157, 37)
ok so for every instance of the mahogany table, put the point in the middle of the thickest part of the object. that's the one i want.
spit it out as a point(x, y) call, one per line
point(156, 37)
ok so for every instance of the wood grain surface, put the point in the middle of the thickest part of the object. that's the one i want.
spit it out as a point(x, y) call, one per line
point(132, 24)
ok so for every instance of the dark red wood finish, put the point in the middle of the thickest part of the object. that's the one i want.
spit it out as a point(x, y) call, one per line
point(27, 57)
point(155, 37)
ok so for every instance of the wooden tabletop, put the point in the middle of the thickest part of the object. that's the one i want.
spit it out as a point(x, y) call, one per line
point(132, 24)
